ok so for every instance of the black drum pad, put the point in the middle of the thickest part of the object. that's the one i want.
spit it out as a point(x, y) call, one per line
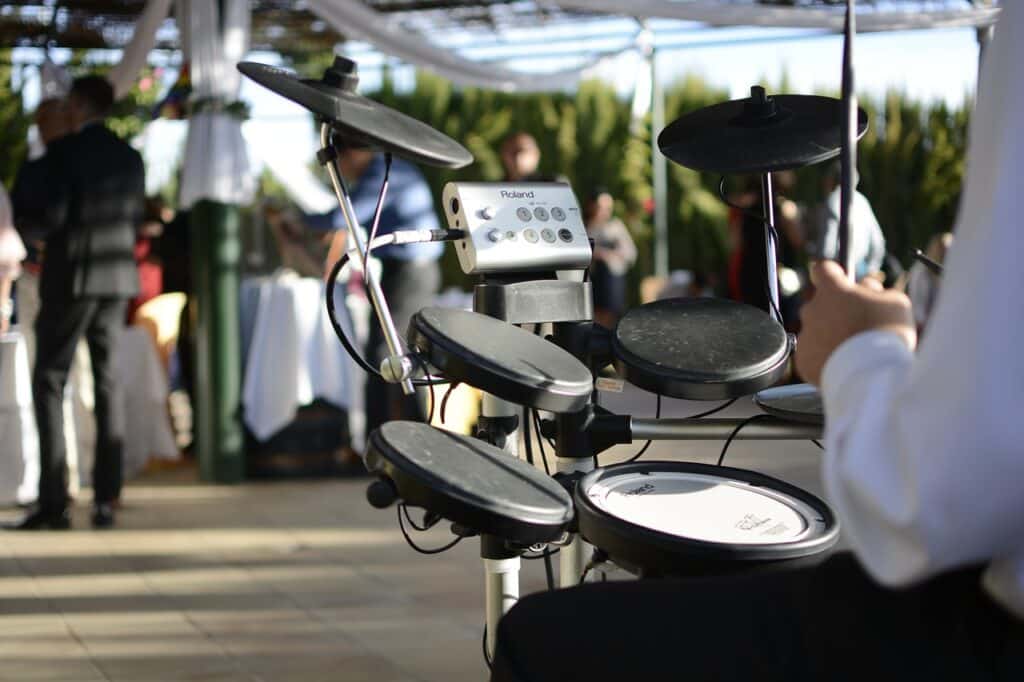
point(470, 482)
point(700, 348)
point(500, 358)
point(797, 403)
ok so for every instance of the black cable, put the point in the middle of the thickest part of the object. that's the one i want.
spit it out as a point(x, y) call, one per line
point(376, 215)
point(487, 657)
point(657, 415)
point(598, 557)
point(408, 517)
point(339, 331)
point(772, 232)
point(444, 400)
point(332, 280)
point(549, 572)
point(728, 441)
point(430, 386)
point(527, 436)
point(422, 550)
point(713, 410)
point(540, 442)
point(820, 446)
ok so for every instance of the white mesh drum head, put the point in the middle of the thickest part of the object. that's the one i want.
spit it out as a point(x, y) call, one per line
point(704, 507)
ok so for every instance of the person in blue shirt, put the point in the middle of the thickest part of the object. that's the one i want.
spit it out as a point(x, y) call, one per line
point(410, 273)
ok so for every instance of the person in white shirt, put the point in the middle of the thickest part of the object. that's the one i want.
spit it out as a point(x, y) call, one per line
point(923, 462)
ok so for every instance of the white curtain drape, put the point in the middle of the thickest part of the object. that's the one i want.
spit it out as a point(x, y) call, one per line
point(356, 20)
point(216, 165)
point(133, 59)
point(725, 14)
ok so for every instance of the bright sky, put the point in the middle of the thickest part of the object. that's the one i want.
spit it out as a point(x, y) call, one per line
point(927, 65)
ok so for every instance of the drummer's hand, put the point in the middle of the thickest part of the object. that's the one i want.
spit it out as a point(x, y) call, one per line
point(840, 309)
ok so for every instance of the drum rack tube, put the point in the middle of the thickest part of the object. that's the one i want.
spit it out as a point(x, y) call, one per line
point(766, 428)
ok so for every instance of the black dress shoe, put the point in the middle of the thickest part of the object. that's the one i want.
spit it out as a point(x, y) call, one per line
point(103, 516)
point(43, 519)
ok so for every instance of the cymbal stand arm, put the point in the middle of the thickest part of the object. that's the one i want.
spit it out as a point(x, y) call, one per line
point(768, 203)
point(399, 367)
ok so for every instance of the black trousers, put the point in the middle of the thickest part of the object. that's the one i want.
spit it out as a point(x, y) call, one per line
point(408, 286)
point(59, 327)
point(826, 622)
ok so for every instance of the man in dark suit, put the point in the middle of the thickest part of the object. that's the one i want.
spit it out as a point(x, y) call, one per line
point(95, 203)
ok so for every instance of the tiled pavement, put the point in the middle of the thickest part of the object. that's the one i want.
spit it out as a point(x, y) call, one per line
point(297, 580)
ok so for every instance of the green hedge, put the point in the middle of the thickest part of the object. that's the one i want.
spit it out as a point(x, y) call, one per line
point(911, 160)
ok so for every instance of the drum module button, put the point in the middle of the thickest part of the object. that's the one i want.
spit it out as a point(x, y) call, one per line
point(524, 214)
point(540, 213)
point(511, 235)
point(548, 235)
point(496, 236)
point(530, 235)
point(488, 212)
point(558, 214)
point(564, 234)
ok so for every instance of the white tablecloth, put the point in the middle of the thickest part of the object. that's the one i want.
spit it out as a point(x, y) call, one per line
point(19, 440)
point(147, 427)
point(144, 390)
point(292, 356)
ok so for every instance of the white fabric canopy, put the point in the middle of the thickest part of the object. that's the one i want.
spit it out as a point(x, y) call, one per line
point(124, 73)
point(724, 14)
point(356, 20)
point(216, 165)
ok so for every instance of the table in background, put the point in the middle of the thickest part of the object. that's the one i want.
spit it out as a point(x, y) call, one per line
point(292, 356)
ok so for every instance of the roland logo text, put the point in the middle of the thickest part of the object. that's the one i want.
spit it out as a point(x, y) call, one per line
point(506, 194)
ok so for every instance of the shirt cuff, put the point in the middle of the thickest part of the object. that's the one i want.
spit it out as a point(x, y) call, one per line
point(858, 354)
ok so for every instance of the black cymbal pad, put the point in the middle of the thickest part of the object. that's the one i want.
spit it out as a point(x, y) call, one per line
point(470, 482)
point(795, 402)
point(700, 348)
point(364, 120)
point(758, 134)
point(501, 359)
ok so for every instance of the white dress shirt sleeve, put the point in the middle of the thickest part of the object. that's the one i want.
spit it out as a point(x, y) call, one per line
point(924, 452)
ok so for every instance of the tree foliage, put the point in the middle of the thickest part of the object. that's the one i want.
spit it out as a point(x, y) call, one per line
point(911, 159)
point(14, 123)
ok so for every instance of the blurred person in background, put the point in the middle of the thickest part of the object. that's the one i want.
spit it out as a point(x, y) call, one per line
point(867, 243)
point(410, 273)
point(520, 158)
point(29, 197)
point(614, 255)
point(95, 202)
point(300, 245)
point(151, 276)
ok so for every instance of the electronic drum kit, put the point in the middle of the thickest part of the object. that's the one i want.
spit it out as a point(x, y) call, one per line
point(652, 518)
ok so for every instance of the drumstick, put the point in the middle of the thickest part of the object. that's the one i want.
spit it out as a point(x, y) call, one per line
point(924, 260)
point(848, 147)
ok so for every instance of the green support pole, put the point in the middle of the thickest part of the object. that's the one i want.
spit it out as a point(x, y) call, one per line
point(216, 250)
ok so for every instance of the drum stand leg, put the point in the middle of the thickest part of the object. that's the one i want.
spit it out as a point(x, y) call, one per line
point(501, 566)
point(573, 557)
point(501, 584)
